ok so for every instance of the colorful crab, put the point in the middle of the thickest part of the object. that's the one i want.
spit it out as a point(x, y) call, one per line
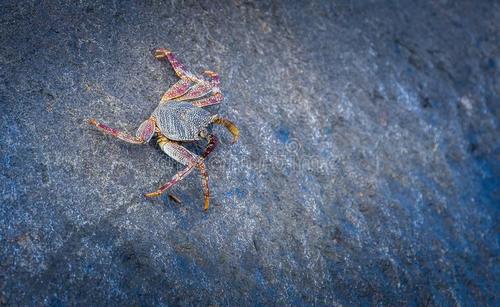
point(180, 118)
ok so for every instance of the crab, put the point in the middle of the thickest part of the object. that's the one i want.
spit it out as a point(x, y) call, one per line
point(180, 118)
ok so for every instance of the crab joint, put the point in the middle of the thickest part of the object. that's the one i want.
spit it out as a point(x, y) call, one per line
point(229, 126)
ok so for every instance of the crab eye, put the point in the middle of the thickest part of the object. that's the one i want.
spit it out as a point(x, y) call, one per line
point(203, 133)
point(146, 130)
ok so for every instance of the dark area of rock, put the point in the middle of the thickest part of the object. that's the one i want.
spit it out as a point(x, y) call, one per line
point(367, 170)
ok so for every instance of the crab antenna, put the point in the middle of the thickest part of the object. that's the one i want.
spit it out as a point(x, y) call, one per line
point(229, 126)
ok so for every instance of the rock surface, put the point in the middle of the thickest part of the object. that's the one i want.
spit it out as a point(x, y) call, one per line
point(367, 170)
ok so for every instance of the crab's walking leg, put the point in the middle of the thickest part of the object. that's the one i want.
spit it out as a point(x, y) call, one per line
point(212, 143)
point(116, 133)
point(203, 88)
point(209, 101)
point(178, 89)
point(204, 184)
point(200, 89)
point(184, 156)
point(181, 155)
point(178, 177)
point(215, 78)
point(178, 67)
point(215, 89)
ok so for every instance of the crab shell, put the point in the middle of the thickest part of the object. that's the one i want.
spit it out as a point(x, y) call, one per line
point(181, 121)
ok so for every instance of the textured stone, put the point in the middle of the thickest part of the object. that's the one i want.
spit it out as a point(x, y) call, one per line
point(367, 169)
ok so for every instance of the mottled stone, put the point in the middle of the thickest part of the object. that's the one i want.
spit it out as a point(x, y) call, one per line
point(367, 171)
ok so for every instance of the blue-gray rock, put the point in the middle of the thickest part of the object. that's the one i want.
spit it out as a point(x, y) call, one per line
point(367, 170)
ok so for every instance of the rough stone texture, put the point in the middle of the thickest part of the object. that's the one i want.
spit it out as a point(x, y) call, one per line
point(367, 171)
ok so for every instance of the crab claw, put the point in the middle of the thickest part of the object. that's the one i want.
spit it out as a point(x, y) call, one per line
point(146, 130)
point(229, 126)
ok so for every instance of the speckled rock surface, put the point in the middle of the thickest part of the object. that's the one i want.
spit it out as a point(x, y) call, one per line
point(367, 171)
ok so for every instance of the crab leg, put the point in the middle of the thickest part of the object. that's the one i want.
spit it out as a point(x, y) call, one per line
point(184, 156)
point(215, 78)
point(209, 101)
point(177, 177)
point(217, 95)
point(198, 90)
point(178, 89)
point(204, 184)
point(179, 154)
point(212, 143)
point(116, 133)
point(178, 67)
point(203, 88)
